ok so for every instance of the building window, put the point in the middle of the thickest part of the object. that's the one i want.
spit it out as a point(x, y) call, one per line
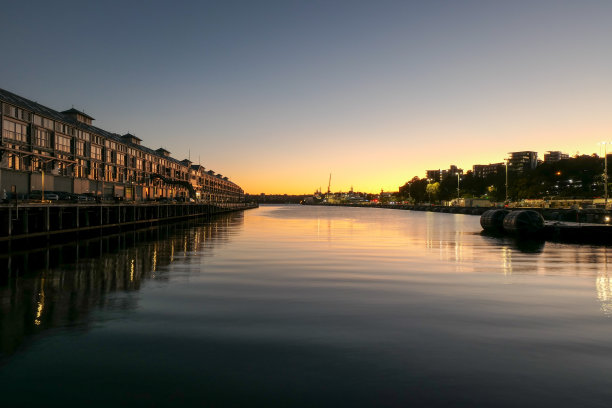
point(83, 135)
point(96, 152)
point(79, 148)
point(62, 143)
point(65, 129)
point(17, 113)
point(43, 122)
point(36, 164)
point(80, 169)
point(97, 139)
point(14, 161)
point(42, 138)
point(96, 170)
point(110, 173)
point(15, 131)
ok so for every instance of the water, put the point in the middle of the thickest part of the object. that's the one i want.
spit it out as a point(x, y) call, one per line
point(307, 306)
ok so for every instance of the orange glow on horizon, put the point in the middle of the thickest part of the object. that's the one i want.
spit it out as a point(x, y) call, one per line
point(399, 151)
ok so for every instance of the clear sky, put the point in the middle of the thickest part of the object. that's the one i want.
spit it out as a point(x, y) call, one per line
point(278, 94)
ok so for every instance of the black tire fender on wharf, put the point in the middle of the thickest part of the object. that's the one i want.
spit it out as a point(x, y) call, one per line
point(524, 223)
point(493, 220)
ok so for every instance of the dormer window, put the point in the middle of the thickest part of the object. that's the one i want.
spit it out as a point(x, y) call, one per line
point(78, 116)
point(163, 152)
point(130, 138)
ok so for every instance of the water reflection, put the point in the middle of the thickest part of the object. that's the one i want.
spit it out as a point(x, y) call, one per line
point(506, 260)
point(392, 308)
point(446, 241)
point(604, 292)
point(60, 285)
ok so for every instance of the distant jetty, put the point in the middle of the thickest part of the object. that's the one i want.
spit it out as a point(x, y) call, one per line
point(589, 226)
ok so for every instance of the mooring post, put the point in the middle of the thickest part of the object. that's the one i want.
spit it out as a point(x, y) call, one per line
point(9, 222)
point(26, 219)
point(47, 219)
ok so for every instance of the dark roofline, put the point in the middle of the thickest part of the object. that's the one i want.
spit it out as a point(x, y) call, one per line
point(72, 110)
point(132, 136)
point(14, 99)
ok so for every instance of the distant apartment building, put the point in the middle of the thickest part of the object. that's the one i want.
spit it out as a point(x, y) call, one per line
point(433, 175)
point(438, 175)
point(77, 157)
point(452, 171)
point(485, 170)
point(554, 156)
point(522, 161)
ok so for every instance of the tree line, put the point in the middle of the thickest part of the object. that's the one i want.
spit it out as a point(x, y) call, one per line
point(577, 177)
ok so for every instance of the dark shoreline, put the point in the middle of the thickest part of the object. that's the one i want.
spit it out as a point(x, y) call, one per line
point(576, 226)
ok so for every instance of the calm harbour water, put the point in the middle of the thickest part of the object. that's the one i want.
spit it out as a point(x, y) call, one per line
point(307, 306)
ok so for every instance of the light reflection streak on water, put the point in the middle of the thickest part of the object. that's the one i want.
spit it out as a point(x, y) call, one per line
point(41, 302)
point(506, 257)
point(603, 284)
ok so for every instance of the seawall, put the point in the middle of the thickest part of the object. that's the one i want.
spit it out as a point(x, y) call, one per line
point(31, 220)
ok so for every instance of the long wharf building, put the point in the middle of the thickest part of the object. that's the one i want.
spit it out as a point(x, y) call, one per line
point(41, 148)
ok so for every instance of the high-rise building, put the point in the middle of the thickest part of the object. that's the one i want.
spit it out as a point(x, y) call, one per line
point(484, 170)
point(522, 161)
point(433, 175)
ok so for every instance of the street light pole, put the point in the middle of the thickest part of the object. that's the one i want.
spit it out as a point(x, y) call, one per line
point(605, 175)
point(506, 180)
point(458, 182)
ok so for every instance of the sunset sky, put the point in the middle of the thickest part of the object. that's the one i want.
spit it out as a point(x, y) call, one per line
point(277, 95)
